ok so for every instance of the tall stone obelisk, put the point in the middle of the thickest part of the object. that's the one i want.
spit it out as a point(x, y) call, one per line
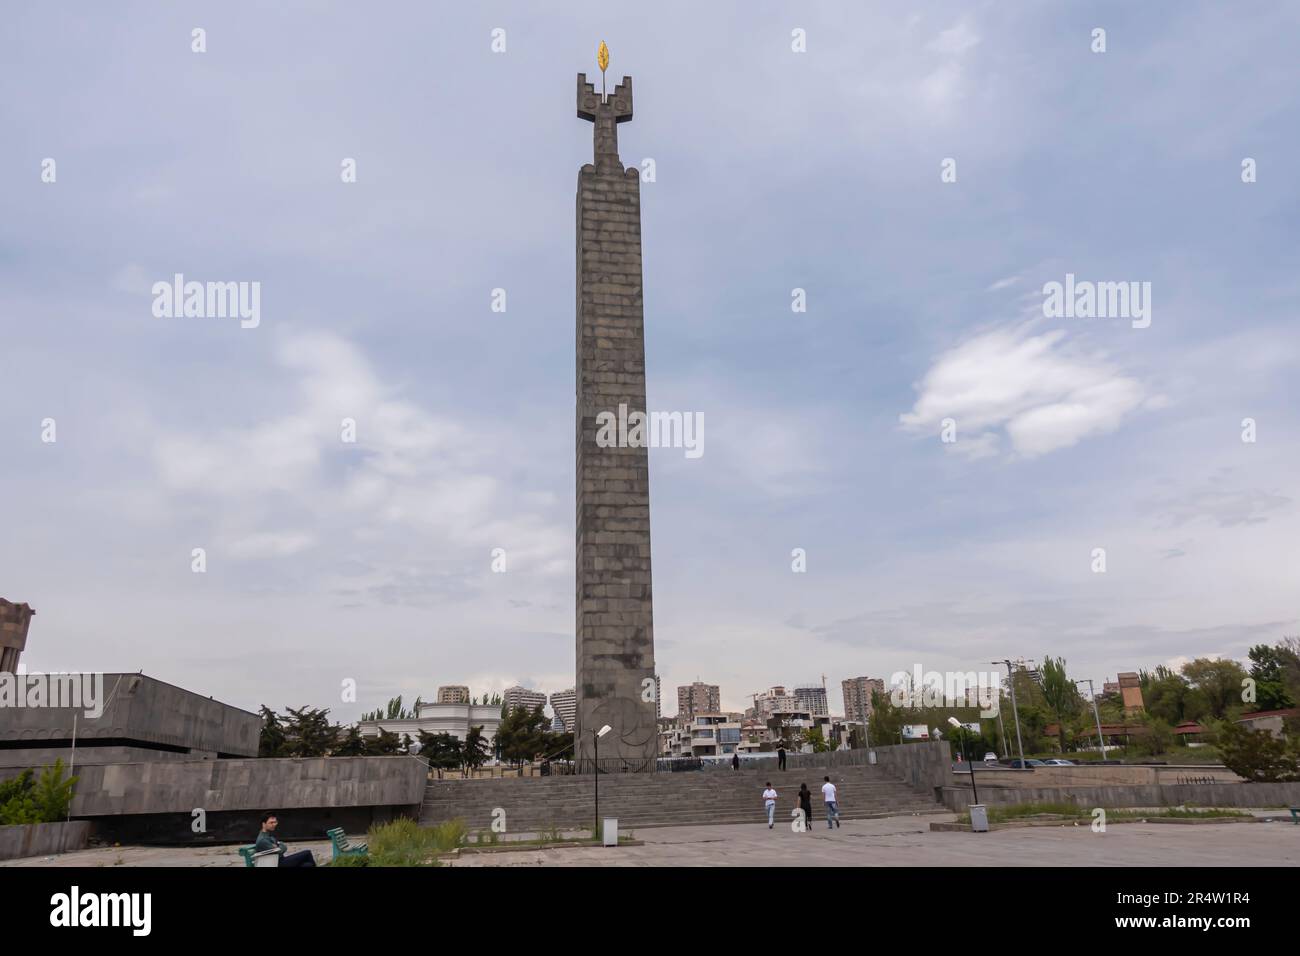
point(615, 626)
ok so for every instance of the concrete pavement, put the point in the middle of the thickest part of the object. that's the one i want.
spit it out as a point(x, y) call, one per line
point(893, 841)
point(908, 841)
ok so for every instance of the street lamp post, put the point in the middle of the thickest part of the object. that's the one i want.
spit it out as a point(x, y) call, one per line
point(1096, 716)
point(595, 742)
point(966, 753)
point(1015, 713)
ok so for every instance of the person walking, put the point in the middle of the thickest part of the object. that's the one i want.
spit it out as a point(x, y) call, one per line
point(735, 761)
point(780, 758)
point(805, 804)
point(769, 800)
point(832, 803)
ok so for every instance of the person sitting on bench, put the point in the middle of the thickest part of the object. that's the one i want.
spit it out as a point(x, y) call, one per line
point(266, 840)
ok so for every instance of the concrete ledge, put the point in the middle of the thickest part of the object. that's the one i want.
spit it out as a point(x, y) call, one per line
point(42, 839)
point(1150, 795)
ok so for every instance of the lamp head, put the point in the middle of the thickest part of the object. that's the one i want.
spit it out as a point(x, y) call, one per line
point(954, 721)
point(604, 730)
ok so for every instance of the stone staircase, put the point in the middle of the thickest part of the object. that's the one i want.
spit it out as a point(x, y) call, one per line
point(666, 799)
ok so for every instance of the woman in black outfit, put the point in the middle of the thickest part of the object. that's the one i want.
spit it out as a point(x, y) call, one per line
point(805, 801)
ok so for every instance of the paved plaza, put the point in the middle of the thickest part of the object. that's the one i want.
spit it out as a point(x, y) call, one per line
point(908, 841)
point(892, 841)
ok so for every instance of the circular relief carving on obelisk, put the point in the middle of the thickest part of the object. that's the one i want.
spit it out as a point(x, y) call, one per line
point(627, 719)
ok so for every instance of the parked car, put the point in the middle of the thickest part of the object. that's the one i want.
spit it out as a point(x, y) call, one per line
point(1060, 762)
point(990, 757)
point(1029, 763)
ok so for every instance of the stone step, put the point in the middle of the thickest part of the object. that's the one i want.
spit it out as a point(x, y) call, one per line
point(581, 819)
point(665, 799)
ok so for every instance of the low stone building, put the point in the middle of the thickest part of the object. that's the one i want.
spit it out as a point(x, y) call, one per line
point(115, 718)
point(1270, 721)
point(454, 719)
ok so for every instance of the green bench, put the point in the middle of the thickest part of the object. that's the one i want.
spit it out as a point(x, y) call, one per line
point(343, 846)
point(254, 858)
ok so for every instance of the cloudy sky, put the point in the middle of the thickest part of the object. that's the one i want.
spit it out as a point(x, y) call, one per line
point(774, 170)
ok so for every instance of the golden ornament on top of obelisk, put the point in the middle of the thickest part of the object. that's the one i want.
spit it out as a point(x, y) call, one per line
point(602, 61)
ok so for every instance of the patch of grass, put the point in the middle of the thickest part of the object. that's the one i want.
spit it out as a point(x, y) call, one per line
point(1027, 811)
point(406, 843)
point(350, 860)
point(1068, 811)
point(1178, 813)
point(447, 835)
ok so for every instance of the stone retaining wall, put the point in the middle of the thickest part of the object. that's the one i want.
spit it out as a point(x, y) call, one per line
point(1151, 795)
point(42, 839)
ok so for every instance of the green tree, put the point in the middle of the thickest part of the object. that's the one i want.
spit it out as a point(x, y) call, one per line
point(1158, 738)
point(442, 751)
point(386, 744)
point(352, 744)
point(1268, 668)
point(976, 743)
point(522, 735)
point(1060, 694)
point(271, 742)
point(308, 732)
point(474, 749)
point(1258, 756)
point(1167, 696)
point(31, 799)
point(1216, 686)
point(558, 746)
point(818, 740)
point(16, 802)
point(53, 793)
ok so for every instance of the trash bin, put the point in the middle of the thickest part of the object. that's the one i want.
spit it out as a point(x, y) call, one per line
point(979, 818)
point(611, 832)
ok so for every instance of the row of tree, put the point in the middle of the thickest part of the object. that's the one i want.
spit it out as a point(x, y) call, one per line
point(522, 736)
point(394, 710)
point(1209, 692)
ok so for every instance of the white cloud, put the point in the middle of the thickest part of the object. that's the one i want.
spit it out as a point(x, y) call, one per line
point(956, 40)
point(268, 544)
point(410, 473)
point(1043, 394)
point(943, 85)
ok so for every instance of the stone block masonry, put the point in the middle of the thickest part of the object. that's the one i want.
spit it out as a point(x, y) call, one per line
point(14, 622)
point(615, 623)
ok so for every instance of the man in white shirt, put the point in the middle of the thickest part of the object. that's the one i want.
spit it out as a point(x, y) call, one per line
point(832, 807)
point(769, 800)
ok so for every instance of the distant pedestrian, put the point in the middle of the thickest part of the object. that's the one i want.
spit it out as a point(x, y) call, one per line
point(780, 758)
point(769, 800)
point(735, 762)
point(805, 804)
point(832, 805)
